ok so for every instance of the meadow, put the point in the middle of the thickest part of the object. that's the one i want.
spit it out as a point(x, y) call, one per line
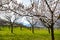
point(26, 34)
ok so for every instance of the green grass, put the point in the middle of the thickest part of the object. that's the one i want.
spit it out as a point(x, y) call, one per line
point(26, 34)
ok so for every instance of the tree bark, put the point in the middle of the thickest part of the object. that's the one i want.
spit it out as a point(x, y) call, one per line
point(52, 32)
point(32, 29)
point(49, 30)
point(11, 28)
point(52, 25)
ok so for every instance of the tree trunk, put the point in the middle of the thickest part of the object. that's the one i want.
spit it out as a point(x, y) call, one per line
point(11, 28)
point(52, 32)
point(33, 29)
point(49, 30)
point(20, 27)
point(30, 28)
point(0, 28)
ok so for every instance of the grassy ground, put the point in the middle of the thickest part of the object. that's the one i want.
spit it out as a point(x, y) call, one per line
point(25, 34)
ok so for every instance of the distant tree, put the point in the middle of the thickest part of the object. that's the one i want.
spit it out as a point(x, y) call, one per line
point(11, 19)
point(32, 22)
point(11, 7)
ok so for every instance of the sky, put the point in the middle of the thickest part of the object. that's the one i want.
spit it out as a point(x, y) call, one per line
point(23, 21)
point(25, 2)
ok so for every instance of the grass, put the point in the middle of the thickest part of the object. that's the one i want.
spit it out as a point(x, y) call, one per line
point(25, 34)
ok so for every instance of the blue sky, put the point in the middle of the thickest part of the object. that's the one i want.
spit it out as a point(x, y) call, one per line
point(25, 2)
point(24, 22)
